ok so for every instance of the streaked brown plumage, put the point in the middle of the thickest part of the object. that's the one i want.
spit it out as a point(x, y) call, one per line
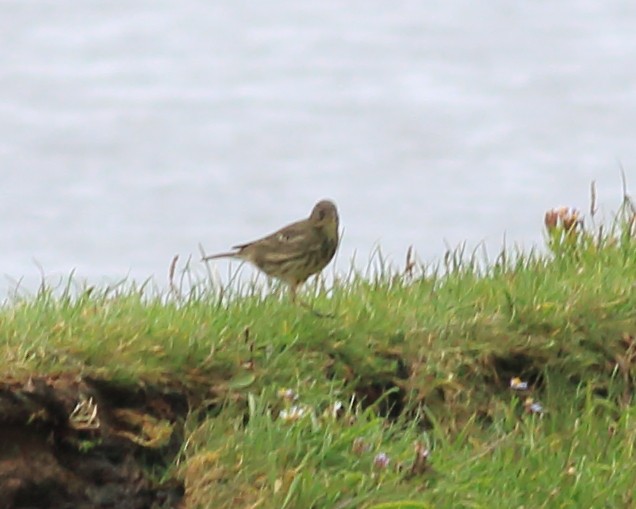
point(295, 252)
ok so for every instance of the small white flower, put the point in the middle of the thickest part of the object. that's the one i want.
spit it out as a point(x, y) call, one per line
point(336, 409)
point(517, 384)
point(381, 461)
point(287, 394)
point(293, 413)
point(536, 408)
point(533, 407)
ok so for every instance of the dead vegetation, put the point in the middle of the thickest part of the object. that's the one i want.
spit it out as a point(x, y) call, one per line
point(69, 442)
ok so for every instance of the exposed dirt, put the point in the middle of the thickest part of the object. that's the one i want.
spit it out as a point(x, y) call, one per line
point(70, 442)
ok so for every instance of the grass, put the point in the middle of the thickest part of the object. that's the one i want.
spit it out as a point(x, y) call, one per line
point(403, 400)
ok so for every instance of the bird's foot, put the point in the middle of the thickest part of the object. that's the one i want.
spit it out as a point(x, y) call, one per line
point(315, 312)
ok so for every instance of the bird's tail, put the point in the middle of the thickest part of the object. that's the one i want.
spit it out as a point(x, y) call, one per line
point(229, 254)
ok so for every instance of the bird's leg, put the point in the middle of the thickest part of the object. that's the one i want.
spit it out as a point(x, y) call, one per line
point(292, 292)
point(292, 289)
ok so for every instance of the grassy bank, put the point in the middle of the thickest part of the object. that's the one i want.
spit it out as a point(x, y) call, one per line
point(404, 395)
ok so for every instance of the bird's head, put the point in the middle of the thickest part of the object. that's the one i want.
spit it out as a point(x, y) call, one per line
point(325, 215)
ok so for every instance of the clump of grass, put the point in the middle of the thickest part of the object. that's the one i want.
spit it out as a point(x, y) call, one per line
point(577, 455)
point(421, 360)
point(299, 456)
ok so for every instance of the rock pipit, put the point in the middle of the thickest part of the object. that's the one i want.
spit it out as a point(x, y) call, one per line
point(295, 252)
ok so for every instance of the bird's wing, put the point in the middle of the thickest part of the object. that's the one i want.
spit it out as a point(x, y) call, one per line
point(286, 243)
point(288, 236)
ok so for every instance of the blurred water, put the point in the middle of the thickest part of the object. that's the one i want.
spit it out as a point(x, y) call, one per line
point(133, 131)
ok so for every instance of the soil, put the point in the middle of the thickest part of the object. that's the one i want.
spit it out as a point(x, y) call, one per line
point(78, 443)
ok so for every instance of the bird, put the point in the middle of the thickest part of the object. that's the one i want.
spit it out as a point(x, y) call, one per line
point(295, 252)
